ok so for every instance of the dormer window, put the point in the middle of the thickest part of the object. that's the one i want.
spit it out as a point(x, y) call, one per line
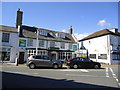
point(42, 32)
point(60, 35)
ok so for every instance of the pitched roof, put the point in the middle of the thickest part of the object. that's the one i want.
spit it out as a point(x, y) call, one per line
point(29, 32)
point(100, 33)
point(8, 29)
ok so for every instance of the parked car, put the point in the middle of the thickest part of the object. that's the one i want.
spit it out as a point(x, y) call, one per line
point(42, 61)
point(80, 62)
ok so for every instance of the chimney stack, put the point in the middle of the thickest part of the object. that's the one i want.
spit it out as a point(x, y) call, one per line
point(19, 18)
point(70, 30)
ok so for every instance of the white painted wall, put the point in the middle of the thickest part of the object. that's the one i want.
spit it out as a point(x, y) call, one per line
point(102, 45)
point(14, 43)
point(97, 46)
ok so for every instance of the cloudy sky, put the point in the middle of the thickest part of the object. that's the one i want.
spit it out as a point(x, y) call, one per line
point(85, 17)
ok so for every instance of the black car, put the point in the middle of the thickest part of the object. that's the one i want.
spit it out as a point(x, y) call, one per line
point(43, 61)
point(80, 62)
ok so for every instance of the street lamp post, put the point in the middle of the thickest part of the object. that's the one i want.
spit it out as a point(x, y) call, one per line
point(37, 42)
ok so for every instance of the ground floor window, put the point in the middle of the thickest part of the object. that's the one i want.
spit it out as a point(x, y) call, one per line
point(102, 56)
point(93, 56)
point(116, 56)
point(64, 55)
point(40, 52)
point(5, 54)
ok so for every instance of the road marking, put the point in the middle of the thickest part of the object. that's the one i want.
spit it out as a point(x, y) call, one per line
point(114, 76)
point(107, 74)
point(82, 70)
point(84, 75)
point(34, 73)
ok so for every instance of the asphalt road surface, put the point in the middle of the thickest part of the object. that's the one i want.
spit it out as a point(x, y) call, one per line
point(23, 77)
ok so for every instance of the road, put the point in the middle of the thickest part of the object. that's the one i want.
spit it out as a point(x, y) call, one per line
point(23, 77)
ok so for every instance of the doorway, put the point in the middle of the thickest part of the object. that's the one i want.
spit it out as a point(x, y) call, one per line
point(21, 57)
point(53, 56)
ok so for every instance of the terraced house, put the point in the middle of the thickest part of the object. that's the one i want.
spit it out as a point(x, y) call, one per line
point(57, 45)
point(9, 38)
point(22, 42)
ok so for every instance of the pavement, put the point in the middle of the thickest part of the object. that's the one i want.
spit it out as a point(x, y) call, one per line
point(102, 65)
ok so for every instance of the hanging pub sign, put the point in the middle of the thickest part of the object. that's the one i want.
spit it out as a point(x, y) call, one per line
point(22, 43)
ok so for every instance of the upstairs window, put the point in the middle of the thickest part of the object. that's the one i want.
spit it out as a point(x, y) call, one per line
point(5, 37)
point(62, 45)
point(60, 35)
point(52, 44)
point(70, 45)
point(30, 42)
point(41, 43)
point(42, 32)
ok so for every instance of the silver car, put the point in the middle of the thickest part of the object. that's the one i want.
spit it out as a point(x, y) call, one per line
point(42, 61)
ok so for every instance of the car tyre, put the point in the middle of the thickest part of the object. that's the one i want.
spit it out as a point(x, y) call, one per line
point(96, 66)
point(75, 66)
point(55, 66)
point(32, 66)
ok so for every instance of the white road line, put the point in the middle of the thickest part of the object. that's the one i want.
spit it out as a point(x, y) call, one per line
point(107, 74)
point(114, 76)
point(82, 70)
point(84, 75)
point(34, 73)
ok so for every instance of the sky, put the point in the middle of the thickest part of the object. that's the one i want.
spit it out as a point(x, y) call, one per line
point(84, 17)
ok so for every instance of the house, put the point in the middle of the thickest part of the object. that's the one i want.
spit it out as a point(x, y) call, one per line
point(57, 45)
point(8, 43)
point(102, 46)
point(22, 43)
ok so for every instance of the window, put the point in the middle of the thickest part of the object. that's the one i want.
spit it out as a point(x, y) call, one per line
point(60, 35)
point(5, 54)
point(70, 45)
point(86, 60)
point(37, 57)
point(116, 56)
point(62, 45)
point(41, 43)
point(102, 56)
point(30, 42)
point(5, 37)
point(52, 44)
point(46, 58)
point(42, 32)
point(93, 56)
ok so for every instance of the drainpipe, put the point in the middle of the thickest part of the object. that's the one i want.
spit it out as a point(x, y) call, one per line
point(37, 43)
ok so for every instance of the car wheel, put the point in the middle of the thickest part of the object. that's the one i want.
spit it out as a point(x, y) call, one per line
point(32, 66)
point(96, 66)
point(75, 66)
point(55, 66)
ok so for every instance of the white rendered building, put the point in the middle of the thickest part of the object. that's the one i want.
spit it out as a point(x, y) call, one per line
point(103, 46)
point(8, 43)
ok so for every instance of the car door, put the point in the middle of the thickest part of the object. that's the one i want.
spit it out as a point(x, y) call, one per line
point(82, 64)
point(47, 61)
point(39, 61)
point(87, 63)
